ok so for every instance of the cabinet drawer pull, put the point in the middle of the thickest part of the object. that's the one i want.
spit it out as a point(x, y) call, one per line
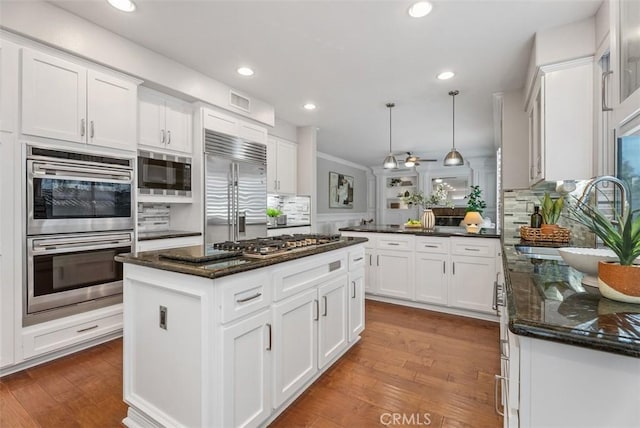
point(471, 249)
point(269, 346)
point(393, 243)
point(324, 298)
point(498, 380)
point(430, 246)
point(358, 259)
point(246, 299)
point(82, 330)
point(353, 296)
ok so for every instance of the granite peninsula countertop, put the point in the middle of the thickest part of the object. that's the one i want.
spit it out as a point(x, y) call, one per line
point(547, 300)
point(165, 234)
point(438, 231)
point(224, 267)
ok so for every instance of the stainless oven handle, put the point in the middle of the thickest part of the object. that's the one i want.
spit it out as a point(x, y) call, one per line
point(49, 169)
point(43, 248)
point(84, 177)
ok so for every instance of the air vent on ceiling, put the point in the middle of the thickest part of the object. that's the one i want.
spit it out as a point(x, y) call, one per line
point(238, 101)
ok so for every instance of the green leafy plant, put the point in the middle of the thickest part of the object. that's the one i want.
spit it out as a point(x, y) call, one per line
point(273, 212)
point(621, 235)
point(439, 198)
point(550, 209)
point(475, 201)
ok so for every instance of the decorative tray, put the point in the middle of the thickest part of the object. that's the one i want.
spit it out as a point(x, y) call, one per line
point(559, 234)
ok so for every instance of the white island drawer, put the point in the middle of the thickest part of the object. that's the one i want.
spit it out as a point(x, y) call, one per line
point(432, 245)
point(392, 241)
point(242, 295)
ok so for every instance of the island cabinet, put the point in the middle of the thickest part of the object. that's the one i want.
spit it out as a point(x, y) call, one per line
point(236, 350)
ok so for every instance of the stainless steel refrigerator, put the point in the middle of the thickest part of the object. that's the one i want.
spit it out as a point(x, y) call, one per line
point(235, 188)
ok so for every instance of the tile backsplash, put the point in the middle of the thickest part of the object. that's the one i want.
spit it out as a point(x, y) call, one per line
point(518, 207)
point(296, 208)
point(153, 217)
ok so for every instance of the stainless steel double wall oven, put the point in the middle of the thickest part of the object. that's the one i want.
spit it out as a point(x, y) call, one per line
point(79, 216)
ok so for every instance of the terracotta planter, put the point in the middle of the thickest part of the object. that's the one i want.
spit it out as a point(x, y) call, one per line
point(620, 283)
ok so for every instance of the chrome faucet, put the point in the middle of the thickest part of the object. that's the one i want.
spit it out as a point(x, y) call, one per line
point(592, 183)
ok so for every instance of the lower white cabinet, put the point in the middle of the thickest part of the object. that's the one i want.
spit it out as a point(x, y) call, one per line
point(356, 303)
point(246, 378)
point(332, 328)
point(296, 343)
point(432, 279)
point(395, 273)
point(471, 283)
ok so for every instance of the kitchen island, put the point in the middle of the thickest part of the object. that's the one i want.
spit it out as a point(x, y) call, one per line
point(232, 342)
point(570, 357)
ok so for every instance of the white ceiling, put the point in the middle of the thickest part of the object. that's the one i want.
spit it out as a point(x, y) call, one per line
point(352, 57)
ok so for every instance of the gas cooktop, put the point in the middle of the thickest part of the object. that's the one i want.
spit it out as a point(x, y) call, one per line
point(276, 245)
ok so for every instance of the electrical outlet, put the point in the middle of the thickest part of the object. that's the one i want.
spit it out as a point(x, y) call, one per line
point(163, 317)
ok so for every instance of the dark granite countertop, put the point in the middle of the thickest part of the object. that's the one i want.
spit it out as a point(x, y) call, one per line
point(438, 231)
point(165, 234)
point(284, 226)
point(219, 268)
point(547, 300)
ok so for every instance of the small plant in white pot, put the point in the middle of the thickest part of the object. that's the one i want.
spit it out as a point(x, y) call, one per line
point(616, 280)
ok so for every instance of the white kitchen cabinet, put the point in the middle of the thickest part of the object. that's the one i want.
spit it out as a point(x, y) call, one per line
point(163, 244)
point(282, 166)
point(164, 122)
point(252, 132)
point(230, 125)
point(8, 85)
point(295, 343)
point(333, 321)
point(395, 273)
point(471, 283)
point(356, 303)
point(560, 112)
point(247, 374)
point(370, 279)
point(431, 277)
point(66, 101)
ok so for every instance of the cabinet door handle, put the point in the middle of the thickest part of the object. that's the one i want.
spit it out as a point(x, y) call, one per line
point(378, 260)
point(324, 300)
point(168, 137)
point(93, 129)
point(162, 134)
point(605, 107)
point(453, 268)
point(82, 330)
point(353, 296)
point(246, 299)
point(444, 267)
point(269, 328)
point(370, 260)
point(495, 296)
point(82, 127)
point(498, 380)
point(317, 303)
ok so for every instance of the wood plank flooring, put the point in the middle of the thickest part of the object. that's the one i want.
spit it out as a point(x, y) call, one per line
point(421, 368)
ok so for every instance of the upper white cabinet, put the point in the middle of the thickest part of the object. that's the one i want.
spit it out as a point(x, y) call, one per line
point(226, 124)
point(282, 166)
point(165, 122)
point(66, 101)
point(560, 112)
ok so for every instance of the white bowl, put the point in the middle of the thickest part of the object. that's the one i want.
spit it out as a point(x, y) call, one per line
point(586, 261)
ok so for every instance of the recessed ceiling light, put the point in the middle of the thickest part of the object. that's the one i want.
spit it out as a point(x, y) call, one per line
point(420, 9)
point(245, 71)
point(309, 106)
point(123, 5)
point(446, 75)
point(438, 180)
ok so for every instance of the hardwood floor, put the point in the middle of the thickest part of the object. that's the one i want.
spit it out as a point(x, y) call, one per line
point(421, 368)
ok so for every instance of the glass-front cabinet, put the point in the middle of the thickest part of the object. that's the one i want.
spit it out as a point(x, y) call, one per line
point(392, 188)
point(625, 47)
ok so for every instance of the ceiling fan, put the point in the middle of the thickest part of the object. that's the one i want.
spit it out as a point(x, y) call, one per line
point(414, 160)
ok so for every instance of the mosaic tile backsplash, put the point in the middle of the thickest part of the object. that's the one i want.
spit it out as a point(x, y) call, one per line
point(296, 208)
point(518, 207)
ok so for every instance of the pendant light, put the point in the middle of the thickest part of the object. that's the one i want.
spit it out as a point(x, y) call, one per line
point(390, 162)
point(453, 158)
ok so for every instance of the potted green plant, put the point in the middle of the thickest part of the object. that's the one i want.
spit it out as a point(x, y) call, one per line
point(273, 214)
point(550, 210)
point(473, 214)
point(616, 280)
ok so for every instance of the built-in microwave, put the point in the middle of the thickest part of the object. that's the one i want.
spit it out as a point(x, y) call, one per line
point(163, 174)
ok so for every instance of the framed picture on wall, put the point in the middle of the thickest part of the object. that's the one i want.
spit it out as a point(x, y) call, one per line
point(340, 190)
